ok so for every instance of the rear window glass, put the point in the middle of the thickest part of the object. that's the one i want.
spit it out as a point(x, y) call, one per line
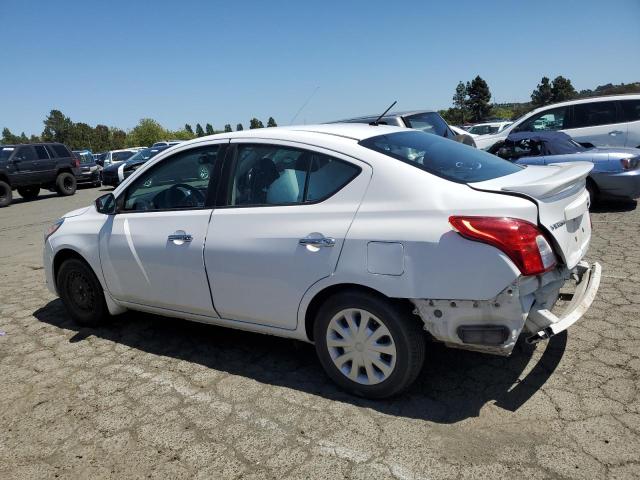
point(445, 158)
point(429, 122)
point(120, 156)
point(61, 150)
point(630, 110)
point(592, 114)
point(41, 152)
point(6, 152)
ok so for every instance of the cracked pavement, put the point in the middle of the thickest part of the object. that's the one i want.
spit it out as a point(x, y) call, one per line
point(154, 397)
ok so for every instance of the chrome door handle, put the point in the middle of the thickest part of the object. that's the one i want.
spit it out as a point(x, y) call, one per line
point(180, 237)
point(616, 132)
point(318, 242)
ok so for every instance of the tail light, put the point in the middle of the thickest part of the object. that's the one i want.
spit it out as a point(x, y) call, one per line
point(76, 160)
point(629, 163)
point(520, 240)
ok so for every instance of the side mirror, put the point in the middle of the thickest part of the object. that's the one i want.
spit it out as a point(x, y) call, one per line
point(106, 204)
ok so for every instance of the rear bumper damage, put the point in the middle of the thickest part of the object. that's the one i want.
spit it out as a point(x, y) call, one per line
point(494, 325)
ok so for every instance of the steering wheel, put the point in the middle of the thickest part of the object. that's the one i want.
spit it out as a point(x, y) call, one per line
point(183, 195)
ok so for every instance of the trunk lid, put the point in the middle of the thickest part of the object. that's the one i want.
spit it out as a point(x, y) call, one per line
point(563, 203)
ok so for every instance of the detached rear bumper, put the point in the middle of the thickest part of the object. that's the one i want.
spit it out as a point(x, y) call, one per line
point(586, 289)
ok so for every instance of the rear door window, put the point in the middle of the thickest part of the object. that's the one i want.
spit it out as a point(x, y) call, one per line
point(444, 158)
point(41, 152)
point(630, 110)
point(61, 151)
point(593, 114)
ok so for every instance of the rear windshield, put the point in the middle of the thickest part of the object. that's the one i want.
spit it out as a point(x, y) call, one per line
point(445, 158)
point(120, 156)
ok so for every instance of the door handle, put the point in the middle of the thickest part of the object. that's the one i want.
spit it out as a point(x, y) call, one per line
point(318, 242)
point(180, 237)
point(616, 132)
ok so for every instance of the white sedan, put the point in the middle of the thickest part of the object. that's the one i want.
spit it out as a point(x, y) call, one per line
point(362, 239)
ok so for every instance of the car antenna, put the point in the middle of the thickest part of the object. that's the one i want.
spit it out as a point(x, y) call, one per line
point(304, 105)
point(375, 122)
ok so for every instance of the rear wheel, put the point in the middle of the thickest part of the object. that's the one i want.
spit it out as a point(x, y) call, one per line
point(81, 293)
point(29, 193)
point(5, 194)
point(368, 345)
point(66, 184)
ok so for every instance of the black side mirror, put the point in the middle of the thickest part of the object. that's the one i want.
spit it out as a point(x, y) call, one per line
point(106, 204)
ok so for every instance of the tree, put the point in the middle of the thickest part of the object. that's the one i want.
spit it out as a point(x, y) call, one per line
point(255, 123)
point(9, 138)
point(101, 138)
point(227, 128)
point(57, 127)
point(460, 100)
point(562, 89)
point(239, 127)
point(543, 94)
point(118, 138)
point(209, 129)
point(80, 136)
point(479, 97)
point(199, 130)
point(146, 132)
point(188, 128)
point(271, 122)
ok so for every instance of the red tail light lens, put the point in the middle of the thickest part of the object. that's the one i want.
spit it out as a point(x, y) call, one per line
point(76, 160)
point(520, 240)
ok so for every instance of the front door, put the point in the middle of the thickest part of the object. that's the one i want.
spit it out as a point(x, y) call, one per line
point(152, 249)
point(23, 166)
point(286, 212)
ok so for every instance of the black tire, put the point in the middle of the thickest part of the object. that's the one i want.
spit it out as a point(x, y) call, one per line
point(593, 193)
point(66, 184)
point(29, 193)
point(81, 293)
point(406, 335)
point(6, 195)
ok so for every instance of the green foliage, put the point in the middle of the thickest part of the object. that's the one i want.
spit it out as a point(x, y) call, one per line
point(562, 89)
point(460, 110)
point(239, 127)
point(57, 127)
point(118, 138)
point(209, 129)
point(543, 94)
point(227, 128)
point(610, 89)
point(9, 138)
point(271, 122)
point(188, 128)
point(199, 130)
point(146, 133)
point(501, 112)
point(255, 123)
point(479, 98)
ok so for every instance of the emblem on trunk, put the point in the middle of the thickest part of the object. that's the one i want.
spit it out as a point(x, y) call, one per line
point(557, 225)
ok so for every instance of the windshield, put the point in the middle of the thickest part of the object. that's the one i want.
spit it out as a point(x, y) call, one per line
point(144, 155)
point(444, 158)
point(483, 129)
point(429, 122)
point(120, 156)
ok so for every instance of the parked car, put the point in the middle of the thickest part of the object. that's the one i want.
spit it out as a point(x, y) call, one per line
point(116, 156)
point(355, 237)
point(460, 131)
point(166, 143)
point(89, 169)
point(428, 121)
point(28, 168)
point(487, 128)
point(598, 121)
point(114, 174)
point(616, 172)
point(99, 158)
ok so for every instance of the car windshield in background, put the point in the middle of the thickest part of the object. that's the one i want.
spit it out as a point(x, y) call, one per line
point(120, 156)
point(483, 129)
point(85, 158)
point(444, 158)
point(144, 155)
point(429, 122)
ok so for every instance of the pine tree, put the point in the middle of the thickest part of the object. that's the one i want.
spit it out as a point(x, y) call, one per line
point(199, 130)
point(542, 95)
point(562, 89)
point(239, 127)
point(271, 122)
point(209, 129)
point(188, 128)
point(255, 123)
point(460, 100)
point(227, 128)
point(479, 97)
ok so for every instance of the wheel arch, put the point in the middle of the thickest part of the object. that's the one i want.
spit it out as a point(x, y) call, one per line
point(4, 178)
point(325, 293)
point(65, 254)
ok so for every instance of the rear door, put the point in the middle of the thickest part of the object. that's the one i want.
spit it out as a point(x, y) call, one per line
point(563, 203)
point(284, 215)
point(44, 163)
point(598, 123)
point(631, 114)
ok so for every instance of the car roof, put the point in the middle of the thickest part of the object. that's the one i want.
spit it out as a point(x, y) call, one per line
point(403, 113)
point(353, 131)
point(589, 100)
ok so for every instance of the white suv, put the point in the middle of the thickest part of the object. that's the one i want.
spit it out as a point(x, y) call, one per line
point(600, 121)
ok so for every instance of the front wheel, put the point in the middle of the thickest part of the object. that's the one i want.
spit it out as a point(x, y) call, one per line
point(66, 184)
point(81, 293)
point(368, 345)
point(6, 194)
point(29, 193)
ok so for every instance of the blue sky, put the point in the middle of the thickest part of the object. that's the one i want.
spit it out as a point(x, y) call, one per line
point(224, 62)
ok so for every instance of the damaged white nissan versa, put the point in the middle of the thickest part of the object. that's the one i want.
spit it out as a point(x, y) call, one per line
point(359, 238)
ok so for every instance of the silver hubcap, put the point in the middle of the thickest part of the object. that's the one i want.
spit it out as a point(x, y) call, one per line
point(361, 346)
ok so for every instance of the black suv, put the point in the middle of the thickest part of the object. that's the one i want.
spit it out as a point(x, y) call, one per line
point(27, 168)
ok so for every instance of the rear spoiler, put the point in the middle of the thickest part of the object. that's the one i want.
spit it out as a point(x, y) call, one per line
point(539, 181)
